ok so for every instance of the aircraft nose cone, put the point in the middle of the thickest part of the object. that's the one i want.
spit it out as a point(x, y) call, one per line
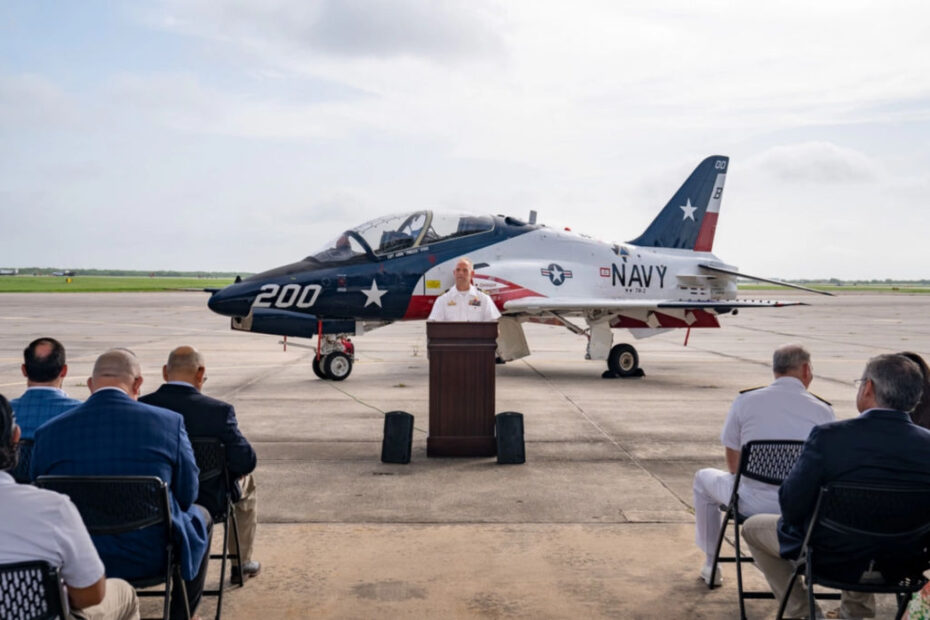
point(230, 302)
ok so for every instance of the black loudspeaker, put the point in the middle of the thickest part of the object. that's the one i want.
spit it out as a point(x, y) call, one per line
point(509, 430)
point(398, 437)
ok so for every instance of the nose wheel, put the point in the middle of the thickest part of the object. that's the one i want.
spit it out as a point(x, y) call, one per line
point(334, 366)
point(318, 367)
point(337, 366)
point(334, 361)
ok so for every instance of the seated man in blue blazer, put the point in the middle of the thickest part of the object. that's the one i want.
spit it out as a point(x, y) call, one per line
point(204, 416)
point(45, 369)
point(112, 434)
point(881, 446)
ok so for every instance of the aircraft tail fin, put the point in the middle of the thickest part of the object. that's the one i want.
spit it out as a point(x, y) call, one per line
point(689, 220)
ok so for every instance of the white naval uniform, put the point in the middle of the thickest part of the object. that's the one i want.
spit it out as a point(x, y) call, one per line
point(781, 410)
point(470, 305)
point(37, 524)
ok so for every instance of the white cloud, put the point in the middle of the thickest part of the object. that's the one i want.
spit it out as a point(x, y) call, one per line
point(274, 124)
point(815, 162)
point(441, 29)
point(33, 100)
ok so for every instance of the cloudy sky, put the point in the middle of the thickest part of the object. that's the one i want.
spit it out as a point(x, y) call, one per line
point(239, 135)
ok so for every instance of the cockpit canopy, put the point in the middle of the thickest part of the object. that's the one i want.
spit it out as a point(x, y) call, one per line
point(396, 233)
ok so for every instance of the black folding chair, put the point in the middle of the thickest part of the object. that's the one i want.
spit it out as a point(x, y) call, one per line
point(20, 473)
point(891, 526)
point(210, 454)
point(768, 461)
point(114, 505)
point(31, 591)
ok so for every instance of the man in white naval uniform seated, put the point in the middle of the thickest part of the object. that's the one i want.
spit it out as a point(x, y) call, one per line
point(464, 302)
point(782, 410)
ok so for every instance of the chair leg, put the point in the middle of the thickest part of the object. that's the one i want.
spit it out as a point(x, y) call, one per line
point(221, 587)
point(166, 614)
point(183, 588)
point(715, 566)
point(739, 569)
point(903, 599)
point(810, 588)
point(238, 555)
point(784, 599)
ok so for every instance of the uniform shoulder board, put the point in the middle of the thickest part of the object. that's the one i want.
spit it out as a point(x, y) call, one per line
point(758, 387)
point(823, 400)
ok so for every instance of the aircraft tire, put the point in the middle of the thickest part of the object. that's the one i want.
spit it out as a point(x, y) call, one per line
point(337, 366)
point(623, 360)
point(318, 368)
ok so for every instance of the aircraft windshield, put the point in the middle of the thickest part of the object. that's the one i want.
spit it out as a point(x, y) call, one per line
point(395, 233)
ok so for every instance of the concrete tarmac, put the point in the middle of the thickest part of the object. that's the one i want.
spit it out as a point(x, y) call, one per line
point(598, 523)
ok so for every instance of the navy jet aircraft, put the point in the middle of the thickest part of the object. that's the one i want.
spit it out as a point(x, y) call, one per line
point(393, 268)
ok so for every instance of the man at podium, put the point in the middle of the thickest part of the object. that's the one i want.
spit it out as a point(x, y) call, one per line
point(464, 302)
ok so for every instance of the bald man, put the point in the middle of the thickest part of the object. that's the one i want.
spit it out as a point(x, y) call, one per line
point(111, 434)
point(204, 416)
point(464, 302)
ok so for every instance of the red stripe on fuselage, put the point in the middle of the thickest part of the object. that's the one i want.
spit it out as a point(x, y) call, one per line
point(421, 305)
point(705, 240)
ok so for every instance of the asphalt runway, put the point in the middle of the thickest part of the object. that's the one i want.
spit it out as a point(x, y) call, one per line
point(597, 523)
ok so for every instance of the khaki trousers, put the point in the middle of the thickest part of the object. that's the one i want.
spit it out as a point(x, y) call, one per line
point(761, 534)
point(247, 517)
point(119, 603)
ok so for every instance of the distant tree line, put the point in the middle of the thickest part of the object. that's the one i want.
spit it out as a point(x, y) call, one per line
point(886, 281)
point(157, 273)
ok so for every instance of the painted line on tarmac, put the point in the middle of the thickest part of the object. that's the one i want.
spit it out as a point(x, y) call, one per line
point(609, 438)
point(338, 388)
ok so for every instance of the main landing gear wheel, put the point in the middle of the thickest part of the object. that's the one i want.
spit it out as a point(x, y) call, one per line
point(337, 366)
point(318, 367)
point(623, 361)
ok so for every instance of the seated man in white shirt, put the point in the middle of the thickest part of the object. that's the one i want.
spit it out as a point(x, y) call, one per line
point(464, 302)
point(782, 410)
point(36, 524)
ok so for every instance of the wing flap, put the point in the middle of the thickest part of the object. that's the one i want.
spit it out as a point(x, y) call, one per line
point(535, 305)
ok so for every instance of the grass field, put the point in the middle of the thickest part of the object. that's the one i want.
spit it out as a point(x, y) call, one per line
point(846, 288)
point(103, 284)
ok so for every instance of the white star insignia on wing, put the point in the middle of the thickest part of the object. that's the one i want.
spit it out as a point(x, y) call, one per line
point(557, 275)
point(374, 294)
point(688, 211)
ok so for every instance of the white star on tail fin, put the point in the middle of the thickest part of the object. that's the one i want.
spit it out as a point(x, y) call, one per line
point(688, 211)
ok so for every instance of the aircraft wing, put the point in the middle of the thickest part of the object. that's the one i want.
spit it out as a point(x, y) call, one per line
point(535, 305)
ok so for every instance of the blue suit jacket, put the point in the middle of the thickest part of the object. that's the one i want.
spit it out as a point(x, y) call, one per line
point(112, 434)
point(209, 417)
point(39, 405)
point(880, 446)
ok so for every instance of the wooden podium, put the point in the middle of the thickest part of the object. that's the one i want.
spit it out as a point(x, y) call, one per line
point(461, 388)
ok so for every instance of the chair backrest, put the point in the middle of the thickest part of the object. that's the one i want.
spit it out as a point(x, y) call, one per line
point(858, 526)
point(20, 473)
point(769, 460)
point(115, 504)
point(31, 591)
point(882, 512)
point(210, 455)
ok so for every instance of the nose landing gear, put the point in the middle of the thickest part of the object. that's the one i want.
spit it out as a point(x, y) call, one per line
point(335, 358)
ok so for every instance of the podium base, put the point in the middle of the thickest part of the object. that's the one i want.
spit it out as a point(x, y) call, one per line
point(477, 445)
